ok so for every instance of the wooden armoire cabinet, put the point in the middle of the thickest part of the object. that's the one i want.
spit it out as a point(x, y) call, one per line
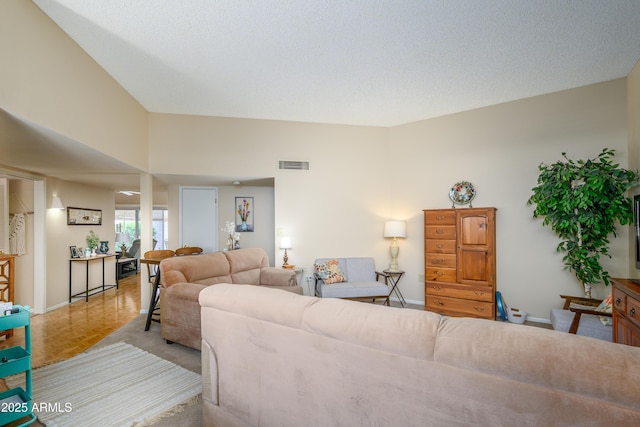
point(460, 262)
point(626, 311)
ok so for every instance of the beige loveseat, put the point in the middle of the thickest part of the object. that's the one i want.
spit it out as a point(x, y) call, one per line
point(279, 359)
point(183, 277)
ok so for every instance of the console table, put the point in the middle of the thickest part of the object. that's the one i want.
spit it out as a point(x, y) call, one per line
point(88, 292)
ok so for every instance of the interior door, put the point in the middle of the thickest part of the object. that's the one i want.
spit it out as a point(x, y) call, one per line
point(199, 217)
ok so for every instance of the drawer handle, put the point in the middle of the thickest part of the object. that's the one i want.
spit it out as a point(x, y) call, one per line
point(439, 231)
point(440, 303)
point(439, 246)
point(439, 273)
point(479, 308)
point(440, 217)
point(479, 293)
point(618, 301)
point(438, 261)
point(632, 312)
point(437, 288)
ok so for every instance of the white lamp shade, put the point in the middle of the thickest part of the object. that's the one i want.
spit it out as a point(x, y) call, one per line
point(285, 243)
point(122, 238)
point(395, 229)
point(56, 203)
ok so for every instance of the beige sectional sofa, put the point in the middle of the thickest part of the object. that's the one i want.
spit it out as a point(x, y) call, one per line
point(280, 359)
point(183, 277)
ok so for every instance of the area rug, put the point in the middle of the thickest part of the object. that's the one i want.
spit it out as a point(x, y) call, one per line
point(115, 385)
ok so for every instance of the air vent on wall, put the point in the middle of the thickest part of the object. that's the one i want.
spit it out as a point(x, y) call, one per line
point(300, 166)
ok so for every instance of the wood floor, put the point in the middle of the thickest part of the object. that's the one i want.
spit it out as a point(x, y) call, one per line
point(64, 332)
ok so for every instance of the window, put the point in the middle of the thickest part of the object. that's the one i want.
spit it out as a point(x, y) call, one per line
point(128, 221)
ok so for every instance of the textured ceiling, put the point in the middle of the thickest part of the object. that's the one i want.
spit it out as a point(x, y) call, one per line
point(375, 62)
point(382, 63)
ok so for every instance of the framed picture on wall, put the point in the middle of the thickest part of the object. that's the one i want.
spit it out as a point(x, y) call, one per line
point(82, 216)
point(244, 214)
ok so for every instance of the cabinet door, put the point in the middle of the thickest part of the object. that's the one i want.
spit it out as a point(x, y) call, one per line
point(476, 246)
point(624, 332)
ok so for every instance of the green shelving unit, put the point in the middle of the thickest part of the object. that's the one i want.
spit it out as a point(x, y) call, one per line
point(16, 403)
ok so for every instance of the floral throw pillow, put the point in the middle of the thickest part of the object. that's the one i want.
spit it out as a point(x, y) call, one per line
point(330, 272)
point(605, 306)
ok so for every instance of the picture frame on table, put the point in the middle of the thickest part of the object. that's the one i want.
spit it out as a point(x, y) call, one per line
point(74, 252)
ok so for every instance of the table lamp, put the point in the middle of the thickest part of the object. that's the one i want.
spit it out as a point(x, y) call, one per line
point(395, 229)
point(123, 239)
point(285, 243)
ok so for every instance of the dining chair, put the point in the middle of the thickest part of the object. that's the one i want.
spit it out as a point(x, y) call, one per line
point(152, 259)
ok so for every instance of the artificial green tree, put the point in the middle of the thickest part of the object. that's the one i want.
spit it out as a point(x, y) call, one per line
point(583, 201)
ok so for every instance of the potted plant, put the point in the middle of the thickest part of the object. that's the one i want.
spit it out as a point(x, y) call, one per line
point(583, 201)
point(92, 241)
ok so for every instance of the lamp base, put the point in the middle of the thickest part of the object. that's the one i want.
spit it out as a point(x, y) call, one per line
point(285, 259)
point(394, 251)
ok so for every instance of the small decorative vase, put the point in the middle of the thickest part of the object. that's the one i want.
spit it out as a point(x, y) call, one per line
point(244, 226)
point(87, 252)
point(104, 247)
point(93, 252)
point(229, 244)
point(236, 245)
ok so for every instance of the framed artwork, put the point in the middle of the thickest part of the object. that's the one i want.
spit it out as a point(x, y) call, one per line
point(244, 214)
point(82, 216)
point(74, 252)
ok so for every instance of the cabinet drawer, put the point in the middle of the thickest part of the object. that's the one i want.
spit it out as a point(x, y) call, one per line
point(440, 260)
point(440, 217)
point(433, 274)
point(477, 293)
point(633, 311)
point(619, 300)
point(440, 246)
point(440, 232)
point(460, 308)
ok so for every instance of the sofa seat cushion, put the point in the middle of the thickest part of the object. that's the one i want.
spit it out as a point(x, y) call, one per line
point(354, 290)
point(590, 325)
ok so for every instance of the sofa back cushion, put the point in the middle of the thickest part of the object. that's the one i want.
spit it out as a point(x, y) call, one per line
point(245, 265)
point(358, 269)
point(205, 269)
point(361, 269)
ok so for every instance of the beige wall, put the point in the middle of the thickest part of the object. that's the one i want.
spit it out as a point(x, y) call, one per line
point(21, 202)
point(337, 208)
point(47, 78)
point(633, 123)
point(498, 149)
point(262, 237)
point(359, 176)
point(60, 236)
